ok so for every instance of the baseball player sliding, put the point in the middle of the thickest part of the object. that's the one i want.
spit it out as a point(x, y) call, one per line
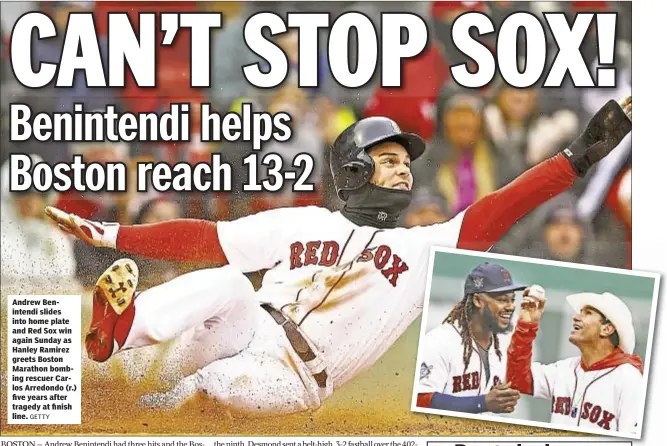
point(601, 388)
point(340, 287)
point(459, 371)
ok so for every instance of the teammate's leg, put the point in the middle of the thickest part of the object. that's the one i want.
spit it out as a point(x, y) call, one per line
point(211, 304)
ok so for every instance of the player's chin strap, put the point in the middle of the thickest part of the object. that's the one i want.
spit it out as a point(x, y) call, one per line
point(376, 206)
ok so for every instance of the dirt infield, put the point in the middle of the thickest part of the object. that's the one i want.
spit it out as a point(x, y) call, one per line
point(376, 403)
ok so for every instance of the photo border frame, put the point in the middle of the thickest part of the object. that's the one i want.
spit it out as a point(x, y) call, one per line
point(522, 259)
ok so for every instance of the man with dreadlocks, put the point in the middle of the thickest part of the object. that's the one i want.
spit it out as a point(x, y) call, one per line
point(451, 378)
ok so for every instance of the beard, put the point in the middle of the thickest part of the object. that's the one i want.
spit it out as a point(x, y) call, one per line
point(490, 322)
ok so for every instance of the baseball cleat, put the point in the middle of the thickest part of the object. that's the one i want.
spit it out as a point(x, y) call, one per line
point(118, 283)
point(113, 294)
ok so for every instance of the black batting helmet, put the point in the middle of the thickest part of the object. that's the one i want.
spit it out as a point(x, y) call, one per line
point(351, 166)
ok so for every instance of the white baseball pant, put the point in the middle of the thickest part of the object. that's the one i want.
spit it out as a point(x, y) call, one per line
point(240, 357)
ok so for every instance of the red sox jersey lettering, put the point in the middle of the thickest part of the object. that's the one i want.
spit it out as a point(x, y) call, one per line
point(469, 381)
point(593, 413)
point(562, 405)
point(606, 399)
point(301, 256)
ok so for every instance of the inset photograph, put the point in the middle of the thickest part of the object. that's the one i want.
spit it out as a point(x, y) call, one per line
point(535, 342)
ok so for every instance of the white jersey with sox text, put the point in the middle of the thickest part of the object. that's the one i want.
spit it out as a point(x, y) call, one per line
point(607, 399)
point(442, 369)
point(353, 290)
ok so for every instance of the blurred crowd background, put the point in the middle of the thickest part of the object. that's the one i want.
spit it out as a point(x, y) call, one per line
point(479, 140)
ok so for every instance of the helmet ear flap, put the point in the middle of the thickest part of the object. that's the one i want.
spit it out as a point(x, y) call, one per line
point(354, 175)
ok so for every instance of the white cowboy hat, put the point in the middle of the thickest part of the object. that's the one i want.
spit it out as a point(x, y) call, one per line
point(614, 309)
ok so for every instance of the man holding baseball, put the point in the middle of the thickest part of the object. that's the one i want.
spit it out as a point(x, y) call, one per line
point(459, 371)
point(601, 388)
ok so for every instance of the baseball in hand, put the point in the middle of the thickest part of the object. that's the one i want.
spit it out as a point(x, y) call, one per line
point(532, 303)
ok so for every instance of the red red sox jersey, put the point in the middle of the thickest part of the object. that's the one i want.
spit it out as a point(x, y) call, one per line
point(606, 399)
point(352, 289)
point(442, 369)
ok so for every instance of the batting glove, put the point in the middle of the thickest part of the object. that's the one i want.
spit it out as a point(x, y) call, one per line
point(604, 132)
point(98, 234)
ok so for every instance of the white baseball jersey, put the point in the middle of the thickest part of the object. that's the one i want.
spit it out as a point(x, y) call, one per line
point(607, 399)
point(353, 290)
point(442, 369)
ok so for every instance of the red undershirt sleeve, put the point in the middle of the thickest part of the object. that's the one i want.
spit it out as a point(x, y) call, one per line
point(181, 240)
point(519, 357)
point(424, 400)
point(486, 221)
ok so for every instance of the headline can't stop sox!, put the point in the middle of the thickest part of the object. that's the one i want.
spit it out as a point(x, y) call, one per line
point(400, 36)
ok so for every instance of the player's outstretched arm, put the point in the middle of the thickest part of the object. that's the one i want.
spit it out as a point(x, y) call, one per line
point(442, 401)
point(181, 240)
point(520, 351)
point(501, 399)
point(486, 221)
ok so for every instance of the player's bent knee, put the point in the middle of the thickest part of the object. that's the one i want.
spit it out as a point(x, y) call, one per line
point(159, 331)
point(225, 292)
point(235, 282)
point(235, 293)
